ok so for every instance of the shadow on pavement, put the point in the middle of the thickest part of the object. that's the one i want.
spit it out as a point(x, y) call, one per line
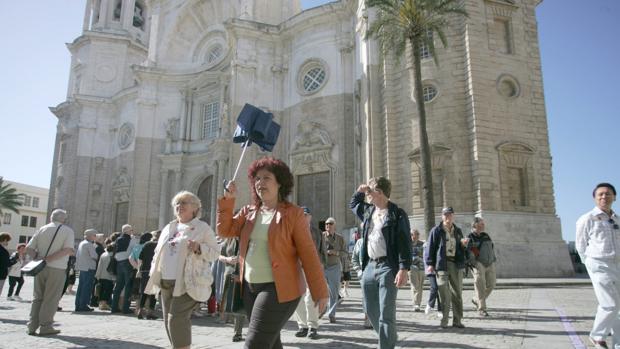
point(104, 343)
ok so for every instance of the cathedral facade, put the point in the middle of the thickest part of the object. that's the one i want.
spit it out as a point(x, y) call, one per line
point(156, 85)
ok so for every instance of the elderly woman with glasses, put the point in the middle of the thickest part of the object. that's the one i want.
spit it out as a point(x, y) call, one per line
point(180, 267)
point(275, 243)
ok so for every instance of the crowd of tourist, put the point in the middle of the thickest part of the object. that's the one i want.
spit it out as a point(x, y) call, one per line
point(284, 267)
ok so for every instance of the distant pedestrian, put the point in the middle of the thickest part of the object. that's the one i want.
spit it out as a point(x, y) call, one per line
point(416, 273)
point(124, 271)
point(16, 276)
point(598, 244)
point(5, 262)
point(481, 246)
point(105, 278)
point(86, 263)
point(334, 248)
point(147, 301)
point(57, 239)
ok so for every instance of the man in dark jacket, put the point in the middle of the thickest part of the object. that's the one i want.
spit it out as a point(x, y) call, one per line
point(445, 256)
point(385, 253)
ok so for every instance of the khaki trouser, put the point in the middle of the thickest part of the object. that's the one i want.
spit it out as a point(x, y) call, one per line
point(177, 313)
point(48, 286)
point(416, 280)
point(450, 292)
point(307, 313)
point(484, 282)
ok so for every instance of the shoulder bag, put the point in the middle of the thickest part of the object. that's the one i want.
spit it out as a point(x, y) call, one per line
point(32, 268)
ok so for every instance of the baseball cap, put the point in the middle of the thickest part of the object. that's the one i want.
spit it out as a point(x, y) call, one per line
point(447, 210)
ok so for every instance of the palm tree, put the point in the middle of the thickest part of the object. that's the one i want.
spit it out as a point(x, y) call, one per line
point(9, 199)
point(413, 22)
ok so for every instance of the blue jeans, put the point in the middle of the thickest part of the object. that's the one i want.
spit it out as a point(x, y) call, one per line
point(123, 280)
point(332, 275)
point(379, 295)
point(85, 289)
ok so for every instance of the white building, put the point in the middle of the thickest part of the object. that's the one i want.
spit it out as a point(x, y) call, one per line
point(32, 214)
point(155, 87)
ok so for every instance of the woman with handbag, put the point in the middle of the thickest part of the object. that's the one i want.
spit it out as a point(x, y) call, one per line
point(274, 238)
point(180, 268)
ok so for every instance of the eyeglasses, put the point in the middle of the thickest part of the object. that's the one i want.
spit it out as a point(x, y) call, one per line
point(615, 225)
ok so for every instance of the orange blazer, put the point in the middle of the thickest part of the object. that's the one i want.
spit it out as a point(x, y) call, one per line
point(289, 243)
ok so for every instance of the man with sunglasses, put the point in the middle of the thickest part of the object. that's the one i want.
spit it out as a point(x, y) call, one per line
point(598, 245)
point(385, 255)
point(335, 247)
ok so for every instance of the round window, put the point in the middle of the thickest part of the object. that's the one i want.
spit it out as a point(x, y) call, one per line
point(508, 86)
point(429, 92)
point(312, 77)
point(214, 53)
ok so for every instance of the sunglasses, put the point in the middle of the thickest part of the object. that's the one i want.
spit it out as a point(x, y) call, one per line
point(615, 225)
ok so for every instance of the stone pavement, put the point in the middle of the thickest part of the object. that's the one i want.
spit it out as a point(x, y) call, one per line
point(524, 313)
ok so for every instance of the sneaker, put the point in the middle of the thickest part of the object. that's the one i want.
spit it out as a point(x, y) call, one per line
point(483, 313)
point(428, 309)
point(416, 308)
point(443, 325)
point(440, 315)
point(10, 298)
point(17, 298)
point(302, 332)
point(314, 334)
point(48, 331)
point(598, 344)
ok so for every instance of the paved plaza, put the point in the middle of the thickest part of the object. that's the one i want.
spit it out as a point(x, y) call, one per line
point(524, 313)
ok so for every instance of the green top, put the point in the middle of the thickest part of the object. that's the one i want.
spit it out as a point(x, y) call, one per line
point(257, 261)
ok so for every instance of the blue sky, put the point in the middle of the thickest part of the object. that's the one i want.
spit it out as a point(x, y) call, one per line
point(580, 49)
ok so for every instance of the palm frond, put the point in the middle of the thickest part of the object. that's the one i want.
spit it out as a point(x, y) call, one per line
point(9, 198)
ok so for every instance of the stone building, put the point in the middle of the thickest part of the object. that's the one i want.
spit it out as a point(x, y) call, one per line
point(33, 213)
point(155, 88)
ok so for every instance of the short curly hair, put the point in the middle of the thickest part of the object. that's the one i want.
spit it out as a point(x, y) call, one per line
point(280, 170)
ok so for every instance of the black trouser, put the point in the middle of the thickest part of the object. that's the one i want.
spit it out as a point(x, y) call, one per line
point(267, 316)
point(19, 280)
point(106, 290)
point(144, 279)
point(434, 292)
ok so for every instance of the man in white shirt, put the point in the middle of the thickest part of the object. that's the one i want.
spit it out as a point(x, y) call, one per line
point(86, 263)
point(598, 245)
point(53, 243)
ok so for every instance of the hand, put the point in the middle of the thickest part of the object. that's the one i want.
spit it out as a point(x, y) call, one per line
point(430, 269)
point(363, 188)
point(322, 304)
point(233, 260)
point(465, 241)
point(193, 246)
point(401, 278)
point(231, 190)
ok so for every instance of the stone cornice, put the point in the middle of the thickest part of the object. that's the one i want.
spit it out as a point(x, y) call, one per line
point(89, 36)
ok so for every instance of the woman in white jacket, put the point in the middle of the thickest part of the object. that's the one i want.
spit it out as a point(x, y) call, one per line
point(180, 268)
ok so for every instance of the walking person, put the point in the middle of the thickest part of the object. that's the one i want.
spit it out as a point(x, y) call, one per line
point(598, 246)
point(181, 267)
point(274, 241)
point(105, 278)
point(86, 263)
point(147, 301)
point(53, 243)
point(446, 257)
point(334, 248)
point(5, 260)
point(307, 313)
point(16, 276)
point(124, 271)
point(385, 255)
point(416, 273)
point(481, 246)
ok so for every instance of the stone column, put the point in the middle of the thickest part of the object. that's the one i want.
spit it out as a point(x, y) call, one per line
point(163, 200)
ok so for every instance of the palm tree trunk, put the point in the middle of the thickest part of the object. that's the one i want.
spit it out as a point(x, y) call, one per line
point(425, 151)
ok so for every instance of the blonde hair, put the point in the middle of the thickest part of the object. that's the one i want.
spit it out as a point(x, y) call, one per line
point(195, 201)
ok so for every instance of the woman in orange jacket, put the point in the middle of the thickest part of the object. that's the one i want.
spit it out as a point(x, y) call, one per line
point(274, 239)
